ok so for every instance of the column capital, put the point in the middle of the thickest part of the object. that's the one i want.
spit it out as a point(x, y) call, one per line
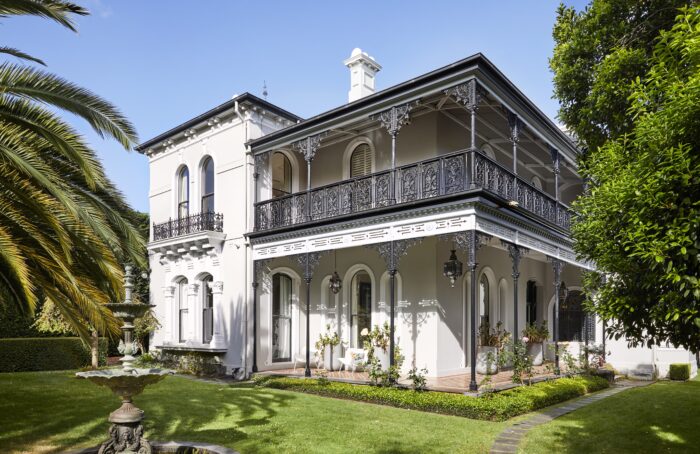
point(515, 124)
point(217, 287)
point(259, 163)
point(192, 289)
point(470, 241)
point(308, 263)
point(557, 266)
point(169, 291)
point(556, 159)
point(392, 251)
point(469, 94)
point(516, 253)
point(394, 118)
point(308, 146)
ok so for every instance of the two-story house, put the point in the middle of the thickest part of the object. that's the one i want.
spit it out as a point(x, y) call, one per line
point(436, 206)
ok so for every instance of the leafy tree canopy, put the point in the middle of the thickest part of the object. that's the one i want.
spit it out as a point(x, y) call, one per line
point(597, 53)
point(640, 218)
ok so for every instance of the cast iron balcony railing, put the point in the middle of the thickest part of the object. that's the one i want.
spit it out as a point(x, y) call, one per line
point(440, 176)
point(195, 223)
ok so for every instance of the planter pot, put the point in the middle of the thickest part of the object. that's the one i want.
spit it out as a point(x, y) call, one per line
point(383, 357)
point(331, 357)
point(536, 353)
point(483, 365)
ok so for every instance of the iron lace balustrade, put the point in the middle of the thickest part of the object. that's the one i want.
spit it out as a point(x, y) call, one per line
point(439, 176)
point(195, 223)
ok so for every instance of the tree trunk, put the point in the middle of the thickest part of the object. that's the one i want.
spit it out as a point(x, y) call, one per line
point(94, 349)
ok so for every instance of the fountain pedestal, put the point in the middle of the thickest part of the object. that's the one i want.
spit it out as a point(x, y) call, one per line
point(126, 432)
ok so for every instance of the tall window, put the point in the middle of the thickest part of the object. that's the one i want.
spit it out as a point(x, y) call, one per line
point(361, 307)
point(361, 161)
point(572, 317)
point(183, 193)
point(484, 299)
point(531, 303)
point(181, 303)
point(281, 175)
point(281, 318)
point(207, 310)
point(208, 186)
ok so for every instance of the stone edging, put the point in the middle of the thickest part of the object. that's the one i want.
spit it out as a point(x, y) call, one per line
point(507, 441)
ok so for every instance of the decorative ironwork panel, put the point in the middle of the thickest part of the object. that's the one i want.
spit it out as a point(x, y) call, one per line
point(454, 172)
point(317, 204)
point(332, 201)
point(382, 189)
point(408, 183)
point(299, 209)
point(346, 195)
point(363, 194)
point(195, 223)
point(430, 177)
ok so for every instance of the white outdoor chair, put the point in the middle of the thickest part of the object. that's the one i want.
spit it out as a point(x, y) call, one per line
point(354, 358)
point(301, 358)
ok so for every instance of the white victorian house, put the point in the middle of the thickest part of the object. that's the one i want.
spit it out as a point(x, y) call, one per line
point(267, 228)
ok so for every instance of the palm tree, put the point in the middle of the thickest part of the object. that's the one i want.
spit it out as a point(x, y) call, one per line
point(63, 230)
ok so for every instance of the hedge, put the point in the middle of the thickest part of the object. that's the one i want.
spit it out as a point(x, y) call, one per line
point(492, 407)
point(46, 353)
point(679, 371)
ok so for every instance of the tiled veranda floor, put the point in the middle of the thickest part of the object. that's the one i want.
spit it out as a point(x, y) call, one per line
point(458, 383)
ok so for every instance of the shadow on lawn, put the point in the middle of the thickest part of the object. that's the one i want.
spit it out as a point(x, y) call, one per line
point(663, 417)
point(46, 411)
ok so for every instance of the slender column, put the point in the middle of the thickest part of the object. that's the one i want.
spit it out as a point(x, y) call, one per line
point(557, 266)
point(308, 147)
point(516, 253)
point(391, 252)
point(169, 299)
point(516, 126)
point(392, 120)
point(471, 241)
point(217, 290)
point(255, 326)
point(193, 309)
point(605, 323)
point(308, 262)
point(469, 95)
point(556, 170)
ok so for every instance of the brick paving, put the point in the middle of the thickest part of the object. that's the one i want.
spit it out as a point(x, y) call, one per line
point(508, 440)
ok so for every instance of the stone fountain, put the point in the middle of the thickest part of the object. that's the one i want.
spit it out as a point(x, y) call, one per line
point(126, 432)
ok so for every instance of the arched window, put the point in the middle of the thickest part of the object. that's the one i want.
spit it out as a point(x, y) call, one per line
point(183, 193)
point(207, 309)
point(281, 318)
point(484, 299)
point(361, 161)
point(531, 303)
point(361, 308)
point(572, 317)
point(181, 304)
point(281, 175)
point(208, 186)
point(536, 182)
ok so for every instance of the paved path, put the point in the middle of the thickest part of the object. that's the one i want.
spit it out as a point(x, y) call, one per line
point(507, 442)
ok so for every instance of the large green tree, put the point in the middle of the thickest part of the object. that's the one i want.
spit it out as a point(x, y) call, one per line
point(639, 221)
point(598, 52)
point(63, 226)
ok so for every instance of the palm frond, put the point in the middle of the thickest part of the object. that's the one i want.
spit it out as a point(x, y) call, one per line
point(19, 54)
point(56, 10)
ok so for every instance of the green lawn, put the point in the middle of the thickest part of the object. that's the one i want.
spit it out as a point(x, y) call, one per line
point(663, 417)
point(54, 412)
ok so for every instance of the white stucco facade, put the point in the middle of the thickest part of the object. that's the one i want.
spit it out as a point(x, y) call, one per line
point(498, 168)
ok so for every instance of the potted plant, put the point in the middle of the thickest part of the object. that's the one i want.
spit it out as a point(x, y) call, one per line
point(535, 336)
point(327, 339)
point(491, 341)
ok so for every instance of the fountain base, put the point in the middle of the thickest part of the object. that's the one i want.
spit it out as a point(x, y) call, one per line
point(126, 438)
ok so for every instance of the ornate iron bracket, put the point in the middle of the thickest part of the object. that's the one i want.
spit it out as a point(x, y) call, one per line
point(393, 119)
point(469, 240)
point(515, 124)
point(468, 94)
point(555, 159)
point(516, 253)
point(308, 146)
point(308, 263)
point(557, 266)
point(258, 267)
point(392, 251)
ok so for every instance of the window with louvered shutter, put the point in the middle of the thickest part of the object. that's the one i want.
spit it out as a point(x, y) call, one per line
point(361, 161)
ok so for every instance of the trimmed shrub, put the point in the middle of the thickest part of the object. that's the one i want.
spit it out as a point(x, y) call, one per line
point(192, 362)
point(492, 407)
point(46, 353)
point(679, 371)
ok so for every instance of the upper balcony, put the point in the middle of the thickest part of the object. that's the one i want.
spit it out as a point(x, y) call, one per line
point(448, 176)
point(186, 225)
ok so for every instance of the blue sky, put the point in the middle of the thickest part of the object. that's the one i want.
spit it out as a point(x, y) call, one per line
point(163, 62)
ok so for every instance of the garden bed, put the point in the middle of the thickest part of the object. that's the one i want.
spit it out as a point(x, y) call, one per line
point(490, 407)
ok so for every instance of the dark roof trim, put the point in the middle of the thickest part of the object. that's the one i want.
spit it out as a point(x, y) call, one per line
point(483, 63)
point(216, 111)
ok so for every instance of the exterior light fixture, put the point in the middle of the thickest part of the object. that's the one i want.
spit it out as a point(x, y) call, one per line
point(563, 292)
point(335, 284)
point(452, 269)
point(513, 203)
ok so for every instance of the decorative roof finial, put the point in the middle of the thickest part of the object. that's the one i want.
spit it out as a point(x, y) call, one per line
point(264, 92)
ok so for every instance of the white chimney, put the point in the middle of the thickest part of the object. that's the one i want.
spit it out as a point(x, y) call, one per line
point(363, 68)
